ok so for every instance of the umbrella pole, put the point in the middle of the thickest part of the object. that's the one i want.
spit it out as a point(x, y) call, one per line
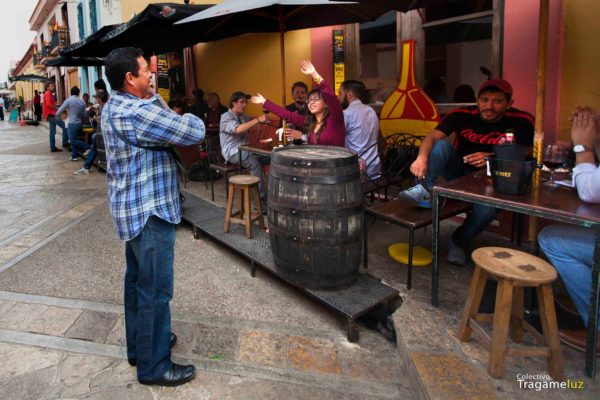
point(538, 139)
point(282, 54)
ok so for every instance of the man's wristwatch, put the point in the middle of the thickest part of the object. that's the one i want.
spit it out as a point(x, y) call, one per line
point(581, 148)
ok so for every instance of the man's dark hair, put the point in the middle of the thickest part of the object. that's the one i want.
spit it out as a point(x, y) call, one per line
point(100, 85)
point(102, 95)
point(119, 62)
point(495, 89)
point(75, 91)
point(299, 84)
point(357, 88)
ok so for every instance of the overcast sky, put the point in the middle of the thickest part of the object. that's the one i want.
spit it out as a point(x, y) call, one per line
point(15, 36)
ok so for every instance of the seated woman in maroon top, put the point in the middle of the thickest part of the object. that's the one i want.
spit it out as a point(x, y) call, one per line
point(324, 123)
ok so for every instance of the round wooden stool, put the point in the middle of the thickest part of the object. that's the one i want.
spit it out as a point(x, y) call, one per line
point(245, 184)
point(513, 270)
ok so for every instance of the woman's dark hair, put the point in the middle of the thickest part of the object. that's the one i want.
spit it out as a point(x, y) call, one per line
point(119, 62)
point(311, 120)
point(100, 85)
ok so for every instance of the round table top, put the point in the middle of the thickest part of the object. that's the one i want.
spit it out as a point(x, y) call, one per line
point(515, 265)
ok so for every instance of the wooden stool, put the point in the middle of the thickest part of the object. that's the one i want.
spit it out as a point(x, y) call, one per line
point(244, 183)
point(513, 270)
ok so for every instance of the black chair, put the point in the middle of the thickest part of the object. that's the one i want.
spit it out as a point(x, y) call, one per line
point(396, 153)
point(217, 163)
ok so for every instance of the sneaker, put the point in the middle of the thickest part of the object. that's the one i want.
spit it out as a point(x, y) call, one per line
point(417, 194)
point(81, 170)
point(85, 153)
point(456, 254)
point(74, 159)
point(55, 150)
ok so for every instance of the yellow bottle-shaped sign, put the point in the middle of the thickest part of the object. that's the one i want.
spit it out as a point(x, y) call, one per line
point(408, 109)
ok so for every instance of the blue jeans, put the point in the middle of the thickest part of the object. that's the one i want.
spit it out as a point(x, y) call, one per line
point(53, 122)
point(444, 161)
point(148, 290)
point(76, 144)
point(92, 154)
point(571, 250)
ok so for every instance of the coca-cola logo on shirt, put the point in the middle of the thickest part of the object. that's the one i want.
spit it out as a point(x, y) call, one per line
point(492, 138)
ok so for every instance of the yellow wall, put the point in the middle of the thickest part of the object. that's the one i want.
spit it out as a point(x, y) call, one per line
point(581, 59)
point(25, 89)
point(251, 63)
point(128, 7)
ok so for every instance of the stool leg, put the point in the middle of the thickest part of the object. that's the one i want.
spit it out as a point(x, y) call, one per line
point(472, 304)
point(411, 248)
point(504, 296)
point(241, 201)
point(550, 329)
point(516, 315)
point(248, 216)
point(212, 185)
point(261, 220)
point(228, 209)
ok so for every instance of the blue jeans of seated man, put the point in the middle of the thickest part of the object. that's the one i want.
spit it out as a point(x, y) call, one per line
point(444, 161)
point(53, 122)
point(89, 160)
point(570, 249)
point(76, 144)
point(148, 291)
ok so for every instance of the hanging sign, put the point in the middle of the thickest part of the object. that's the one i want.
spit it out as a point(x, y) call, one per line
point(339, 70)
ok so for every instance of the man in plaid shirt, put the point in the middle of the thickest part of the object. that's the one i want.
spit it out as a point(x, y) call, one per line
point(143, 192)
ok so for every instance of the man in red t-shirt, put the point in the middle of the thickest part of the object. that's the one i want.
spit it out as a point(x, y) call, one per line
point(477, 129)
point(49, 110)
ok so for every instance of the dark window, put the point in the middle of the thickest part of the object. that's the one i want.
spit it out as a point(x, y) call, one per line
point(80, 21)
point(378, 47)
point(93, 17)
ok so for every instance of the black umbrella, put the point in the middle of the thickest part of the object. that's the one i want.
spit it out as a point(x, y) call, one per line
point(30, 78)
point(87, 47)
point(400, 5)
point(236, 17)
point(67, 61)
point(152, 30)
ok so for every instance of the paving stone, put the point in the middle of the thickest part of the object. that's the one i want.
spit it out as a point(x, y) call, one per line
point(55, 321)
point(186, 337)
point(126, 391)
point(313, 354)
point(449, 377)
point(117, 333)
point(20, 360)
point(29, 387)
point(5, 306)
point(362, 364)
point(22, 316)
point(92, 325)
point(79, 367)
point(264, 348)
point(216, 343)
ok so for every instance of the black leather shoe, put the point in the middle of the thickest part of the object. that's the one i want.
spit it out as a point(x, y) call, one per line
point(55, 150)
point(177, 375)
point(133, 361)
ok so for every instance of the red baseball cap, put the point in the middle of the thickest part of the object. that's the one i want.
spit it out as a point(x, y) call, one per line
point(501, 84)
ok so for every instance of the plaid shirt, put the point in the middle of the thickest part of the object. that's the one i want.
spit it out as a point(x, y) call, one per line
point(141, 182)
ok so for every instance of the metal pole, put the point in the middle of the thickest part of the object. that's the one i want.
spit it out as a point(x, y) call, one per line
point(282, 54)
point(538, 140)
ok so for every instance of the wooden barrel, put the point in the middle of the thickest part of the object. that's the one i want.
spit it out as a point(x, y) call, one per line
point(316, 215)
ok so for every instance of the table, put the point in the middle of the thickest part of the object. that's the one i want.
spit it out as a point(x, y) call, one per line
point(558, 204)
point(256, 148)
point(405, 213)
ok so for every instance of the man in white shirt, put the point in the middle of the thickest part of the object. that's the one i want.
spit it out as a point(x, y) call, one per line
point(362, 125)
point(571, 248)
